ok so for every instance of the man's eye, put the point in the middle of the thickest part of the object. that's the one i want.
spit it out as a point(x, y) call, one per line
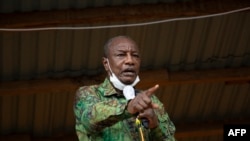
point(120, 54)
point(136, 55)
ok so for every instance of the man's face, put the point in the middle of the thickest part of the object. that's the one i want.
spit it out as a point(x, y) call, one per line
point(124, 59)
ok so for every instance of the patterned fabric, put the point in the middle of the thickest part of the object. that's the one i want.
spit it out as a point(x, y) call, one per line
point(101, 116)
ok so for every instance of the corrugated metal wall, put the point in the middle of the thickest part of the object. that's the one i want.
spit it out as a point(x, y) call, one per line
point(40, 114)
point(210, 43)
point(206, 102)
point(50, 114)
point(207, 43)
point(8, 6)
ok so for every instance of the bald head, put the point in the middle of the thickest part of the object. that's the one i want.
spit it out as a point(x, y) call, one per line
point(111, 41)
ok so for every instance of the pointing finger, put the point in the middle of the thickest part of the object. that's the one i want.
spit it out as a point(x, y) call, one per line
point(151, 90)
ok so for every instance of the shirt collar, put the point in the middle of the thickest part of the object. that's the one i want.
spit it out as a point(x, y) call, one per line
point(107, 88)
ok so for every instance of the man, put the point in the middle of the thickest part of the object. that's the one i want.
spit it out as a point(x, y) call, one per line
point(113, 110)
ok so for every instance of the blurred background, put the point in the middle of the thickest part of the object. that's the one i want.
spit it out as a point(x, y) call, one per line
point(198, 51)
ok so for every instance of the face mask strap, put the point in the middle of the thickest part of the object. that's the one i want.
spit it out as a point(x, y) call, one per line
point(109, 67)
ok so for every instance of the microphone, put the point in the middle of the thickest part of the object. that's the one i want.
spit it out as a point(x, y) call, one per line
point(144, 122)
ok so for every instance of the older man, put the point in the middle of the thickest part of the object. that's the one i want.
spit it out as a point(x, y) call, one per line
point(114, 110)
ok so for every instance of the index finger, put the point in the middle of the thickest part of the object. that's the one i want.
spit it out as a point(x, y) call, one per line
point(151, 90)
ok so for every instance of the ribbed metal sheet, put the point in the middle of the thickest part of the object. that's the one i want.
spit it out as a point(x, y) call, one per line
point(195, 44)
point(206, 102)
point(9, 6)
point(45, 114)
point(207, 43)
point(39, 114)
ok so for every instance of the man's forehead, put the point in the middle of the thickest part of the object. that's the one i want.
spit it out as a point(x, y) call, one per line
point(123, 44)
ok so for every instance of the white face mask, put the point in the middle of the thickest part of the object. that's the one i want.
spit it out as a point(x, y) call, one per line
point(128, 90)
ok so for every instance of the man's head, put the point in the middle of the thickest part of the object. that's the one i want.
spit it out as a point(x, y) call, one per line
point(122, 55)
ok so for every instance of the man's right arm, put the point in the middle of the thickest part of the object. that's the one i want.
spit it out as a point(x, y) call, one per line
point(94, 114)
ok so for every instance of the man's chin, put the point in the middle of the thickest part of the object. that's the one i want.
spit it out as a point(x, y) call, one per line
point(128, 81)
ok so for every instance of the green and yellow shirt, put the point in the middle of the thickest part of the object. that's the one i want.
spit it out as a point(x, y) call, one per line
point(101, 115)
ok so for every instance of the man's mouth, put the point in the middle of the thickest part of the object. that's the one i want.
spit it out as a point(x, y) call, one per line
point(129, 72)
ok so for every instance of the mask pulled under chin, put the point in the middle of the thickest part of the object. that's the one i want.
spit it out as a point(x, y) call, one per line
point(128, 90)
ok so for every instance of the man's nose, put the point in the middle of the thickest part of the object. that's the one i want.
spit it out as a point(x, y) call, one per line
point(129, 59)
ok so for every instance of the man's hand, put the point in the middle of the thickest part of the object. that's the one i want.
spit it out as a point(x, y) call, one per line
point(143, 105)
point(150, 115)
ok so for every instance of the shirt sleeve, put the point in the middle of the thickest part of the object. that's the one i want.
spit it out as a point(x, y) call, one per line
point(166, 129)
point(93, 113)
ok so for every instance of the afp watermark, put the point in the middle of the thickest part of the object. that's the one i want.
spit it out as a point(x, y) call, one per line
point(237, 132)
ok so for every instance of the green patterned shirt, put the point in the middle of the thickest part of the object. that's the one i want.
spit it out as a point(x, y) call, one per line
point(101, 115)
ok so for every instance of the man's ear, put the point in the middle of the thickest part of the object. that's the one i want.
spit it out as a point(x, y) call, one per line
point(105, 63)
